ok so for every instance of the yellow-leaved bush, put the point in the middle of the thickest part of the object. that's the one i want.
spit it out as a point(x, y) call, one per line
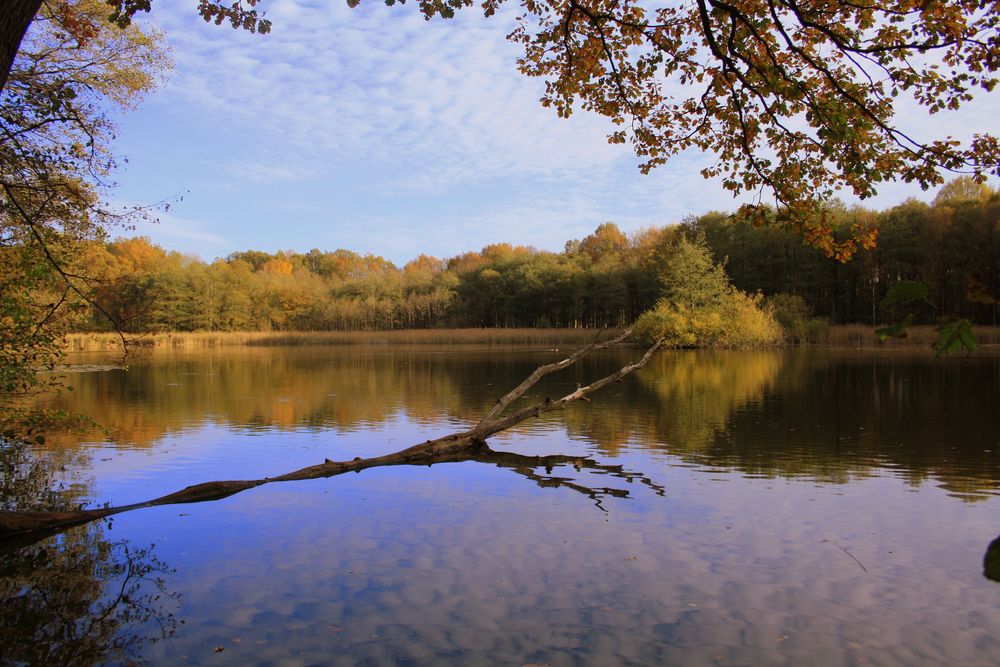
point(700, 308)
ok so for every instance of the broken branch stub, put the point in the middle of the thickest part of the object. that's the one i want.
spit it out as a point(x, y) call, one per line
point(504, 402)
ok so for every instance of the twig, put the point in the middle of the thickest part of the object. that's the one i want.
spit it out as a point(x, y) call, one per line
point(860, 564)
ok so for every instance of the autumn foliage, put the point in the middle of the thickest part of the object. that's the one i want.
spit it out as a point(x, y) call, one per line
point(796, 99)
point(606, 278)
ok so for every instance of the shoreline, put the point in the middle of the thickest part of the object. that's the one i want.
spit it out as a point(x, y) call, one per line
point(852, 336)
point(104, 342)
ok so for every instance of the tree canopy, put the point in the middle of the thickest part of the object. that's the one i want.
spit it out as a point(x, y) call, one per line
point(56, 125)
point(17, 15)
point(795, 98)
point(607, 278)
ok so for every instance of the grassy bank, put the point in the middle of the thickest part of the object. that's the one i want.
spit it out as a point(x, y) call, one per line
point(858, 336)
point(862, 336)
point(98, 342)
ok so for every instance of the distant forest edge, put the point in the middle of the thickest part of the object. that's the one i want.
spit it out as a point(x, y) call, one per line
point(605, 279)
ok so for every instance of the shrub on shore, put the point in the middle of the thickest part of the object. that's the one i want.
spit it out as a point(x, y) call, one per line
point(796, 318)
point(700, 308)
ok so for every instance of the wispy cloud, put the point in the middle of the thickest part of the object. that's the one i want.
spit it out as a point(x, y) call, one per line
point(415, 106)
point(375, 130)
point(264, 171)
point(193, 236)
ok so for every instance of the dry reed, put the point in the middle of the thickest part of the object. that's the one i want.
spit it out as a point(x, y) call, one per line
point(863, 336)
point(857, 336)
point(102, 342)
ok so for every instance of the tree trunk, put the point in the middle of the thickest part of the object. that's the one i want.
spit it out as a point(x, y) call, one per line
point(15, 17)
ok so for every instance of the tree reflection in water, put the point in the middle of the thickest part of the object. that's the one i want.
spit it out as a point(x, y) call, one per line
point(77, 598)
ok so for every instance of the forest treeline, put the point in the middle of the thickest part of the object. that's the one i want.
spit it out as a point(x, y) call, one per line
point(606, 278)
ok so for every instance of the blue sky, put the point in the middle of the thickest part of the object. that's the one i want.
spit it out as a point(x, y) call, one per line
point(376, 131)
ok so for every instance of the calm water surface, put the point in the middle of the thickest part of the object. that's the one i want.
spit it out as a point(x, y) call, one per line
point(782, 508)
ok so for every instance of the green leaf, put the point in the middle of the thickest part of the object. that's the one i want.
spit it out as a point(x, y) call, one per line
point(905, 291)
point(897, 330)
point(954, 336)
point(967, 337)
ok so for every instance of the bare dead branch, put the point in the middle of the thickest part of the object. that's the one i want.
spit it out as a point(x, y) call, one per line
point(467, 445)
point(504, 402)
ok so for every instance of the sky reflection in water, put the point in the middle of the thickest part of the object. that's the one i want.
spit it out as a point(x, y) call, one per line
point(819, 509)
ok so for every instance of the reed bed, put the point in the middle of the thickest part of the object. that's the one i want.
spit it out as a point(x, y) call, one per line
point(863, 336)
point(858, 336)
point(104, 342)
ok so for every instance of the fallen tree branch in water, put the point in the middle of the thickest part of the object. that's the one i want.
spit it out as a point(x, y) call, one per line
point(467, 445)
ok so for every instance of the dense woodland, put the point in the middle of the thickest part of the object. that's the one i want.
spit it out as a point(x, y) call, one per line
point(952, 245)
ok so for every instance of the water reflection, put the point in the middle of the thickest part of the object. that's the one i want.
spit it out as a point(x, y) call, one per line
point(28, 477)
point(830, 416)
point(82, 599)
point(79, 598)
point(834, 417)
point(683, 400)
point(751, 547)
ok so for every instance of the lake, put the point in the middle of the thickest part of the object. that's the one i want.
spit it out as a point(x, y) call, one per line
point(792, 507)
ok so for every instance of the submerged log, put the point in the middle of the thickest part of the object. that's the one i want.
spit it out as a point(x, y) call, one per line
point(467, 445)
